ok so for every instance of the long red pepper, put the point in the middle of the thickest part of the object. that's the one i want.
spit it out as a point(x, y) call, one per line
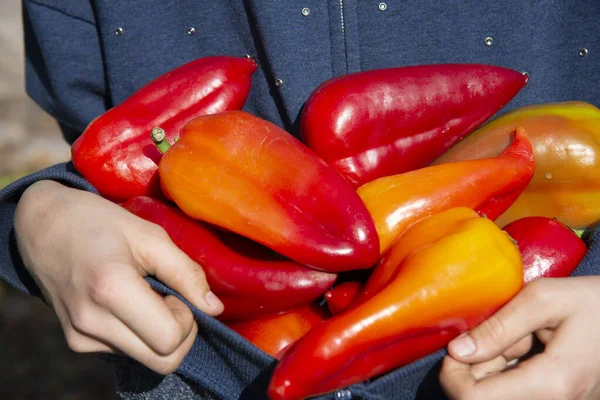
point(248, 175)
point(114, 153)
point(383, 122)
point(250, 279)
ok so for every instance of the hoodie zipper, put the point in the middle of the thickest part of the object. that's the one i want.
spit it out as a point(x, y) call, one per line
point(344, 34)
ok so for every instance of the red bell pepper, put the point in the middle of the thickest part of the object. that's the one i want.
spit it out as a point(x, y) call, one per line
point(489, 186)
point(384, 122)
point(114, 153)
point(341, 296)
point(548, 248)
point(249, 176)
point(440, 289)
point(274, 334)
point(261, 280)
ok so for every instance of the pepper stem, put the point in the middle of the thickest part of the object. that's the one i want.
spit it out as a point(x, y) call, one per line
point(160, 139)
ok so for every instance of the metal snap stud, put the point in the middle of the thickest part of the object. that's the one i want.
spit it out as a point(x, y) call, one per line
point(119, 31)
point(583, 52)
point(191, 31)
point(343, 394)
point(278, 82)
point(306, 11)
point(525, 73)
point(382, 6)
point(488, 41)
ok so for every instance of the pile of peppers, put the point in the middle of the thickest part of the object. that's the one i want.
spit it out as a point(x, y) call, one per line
point(405, 216)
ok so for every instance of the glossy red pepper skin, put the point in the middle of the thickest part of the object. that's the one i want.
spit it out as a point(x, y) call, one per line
point(441, 289)
point(549, 249)
point(384, 122)
point(273, 334)
point(114, 153)
point(251, 177)
point(341, 296)
point(261, 280)
point(488, 186)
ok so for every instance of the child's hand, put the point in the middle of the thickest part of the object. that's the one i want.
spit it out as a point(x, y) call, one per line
point(89, 257)
point(563, 314)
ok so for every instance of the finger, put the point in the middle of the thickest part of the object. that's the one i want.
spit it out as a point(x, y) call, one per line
point(487, 368)
point(545, 335)
point(456, 378)
point(532, 309)
point(162, 325)
point(530, 378)
point(81, 343)
point(519, 349)
point(163, 259)
point(127, 342)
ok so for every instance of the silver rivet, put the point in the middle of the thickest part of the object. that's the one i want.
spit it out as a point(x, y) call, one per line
point(191, 31)
point(488, 41)
point(583, 52)
point(278, 82)
point(382, 6)
point(119, 31)
point(306, 11)
point(548, 175)
point(343, 394)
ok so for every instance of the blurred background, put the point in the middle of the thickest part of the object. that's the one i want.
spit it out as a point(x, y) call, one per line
point(35, 362)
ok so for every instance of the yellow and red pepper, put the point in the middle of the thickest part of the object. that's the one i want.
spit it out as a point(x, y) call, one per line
point(419, 311)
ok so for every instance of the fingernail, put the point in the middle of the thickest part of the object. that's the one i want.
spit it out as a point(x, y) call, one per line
point(213, 300)
point(463, 346)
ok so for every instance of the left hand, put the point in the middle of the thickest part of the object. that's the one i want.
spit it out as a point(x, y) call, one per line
point(563, 313)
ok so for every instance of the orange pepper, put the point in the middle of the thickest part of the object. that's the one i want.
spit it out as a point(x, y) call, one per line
point(444, 285)
point(566, 145)
point(249, 176)
point(488, 186)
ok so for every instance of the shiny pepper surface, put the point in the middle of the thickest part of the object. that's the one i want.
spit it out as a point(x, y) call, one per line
point(566, 144)
point(247, 175)
point(488, 186)
point(440, 289)
point(114, 153)
point(250, 280)
point(382, 122)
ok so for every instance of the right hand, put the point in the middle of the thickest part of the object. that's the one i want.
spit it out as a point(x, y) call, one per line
point(89, 257)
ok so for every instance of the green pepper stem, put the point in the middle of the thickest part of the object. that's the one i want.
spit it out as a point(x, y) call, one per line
point(160, 139)
point(579, 232)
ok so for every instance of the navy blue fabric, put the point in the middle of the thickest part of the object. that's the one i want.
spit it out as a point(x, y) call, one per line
point(77, 67)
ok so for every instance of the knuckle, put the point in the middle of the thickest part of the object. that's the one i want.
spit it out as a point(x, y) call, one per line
point(81, 318)
point(74, 341)
point(494, 329)
point(167, 365)
point(169, 343)
point(101, 288)
point(537, 292)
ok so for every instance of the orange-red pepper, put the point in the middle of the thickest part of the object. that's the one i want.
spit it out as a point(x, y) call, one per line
point(488, 186)
point(566, 144)
point(247, 175)
point(340, 297)
point(274, 334)
point(440, 289)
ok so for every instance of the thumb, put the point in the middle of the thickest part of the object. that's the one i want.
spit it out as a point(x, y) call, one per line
point(163, 259)
point(532, 309)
